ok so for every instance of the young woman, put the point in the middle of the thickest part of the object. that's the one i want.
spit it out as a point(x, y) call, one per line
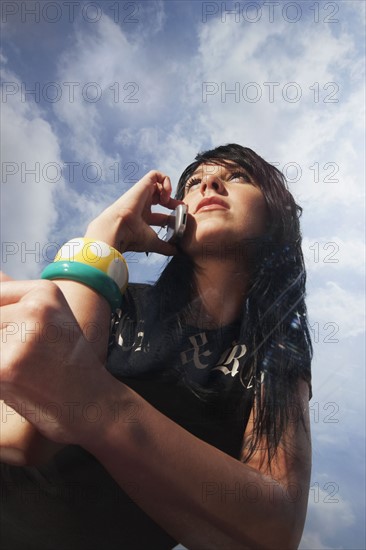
point(193, 427)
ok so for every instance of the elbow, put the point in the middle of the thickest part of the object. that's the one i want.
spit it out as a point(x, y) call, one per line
point(281, 532)
point(285, 534)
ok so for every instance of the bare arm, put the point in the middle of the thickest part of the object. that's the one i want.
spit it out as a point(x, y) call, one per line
point(201, 496)
point(125, 226)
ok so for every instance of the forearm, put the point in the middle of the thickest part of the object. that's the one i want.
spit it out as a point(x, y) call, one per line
point(92, 313)
point(91, 309)
point(201, 496)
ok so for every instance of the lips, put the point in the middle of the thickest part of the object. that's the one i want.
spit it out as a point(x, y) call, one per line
point(210, 203)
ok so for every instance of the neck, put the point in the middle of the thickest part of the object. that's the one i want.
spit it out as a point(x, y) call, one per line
point(222, 288)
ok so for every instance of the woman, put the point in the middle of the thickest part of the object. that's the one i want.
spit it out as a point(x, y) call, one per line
point(201, 434)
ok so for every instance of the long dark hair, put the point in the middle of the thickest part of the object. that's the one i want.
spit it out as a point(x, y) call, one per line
point(274, 323)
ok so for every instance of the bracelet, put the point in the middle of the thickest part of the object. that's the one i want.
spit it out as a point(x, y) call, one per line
point(98, 255)
point(93, 263)
point(87, 275)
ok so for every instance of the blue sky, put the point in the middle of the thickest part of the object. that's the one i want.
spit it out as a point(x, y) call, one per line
point(120, 88)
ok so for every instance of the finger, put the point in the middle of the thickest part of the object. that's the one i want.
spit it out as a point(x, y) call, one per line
point(158, 194)
point(14, 291)
point(162, 247)
point(173, 203)
point(145, 187)
point(14, 324)
point(151, 178)
point(167, 202)
point(155, 199)
point(166, 191)
point(10, 320)
point(158, 219)
point(15, 328)
point(4, 277)
point(154, 244)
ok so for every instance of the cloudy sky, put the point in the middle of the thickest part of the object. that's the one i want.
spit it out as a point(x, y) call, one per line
point(95, 94)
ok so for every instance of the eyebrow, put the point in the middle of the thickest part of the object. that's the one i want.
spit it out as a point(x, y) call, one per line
point(228, 167)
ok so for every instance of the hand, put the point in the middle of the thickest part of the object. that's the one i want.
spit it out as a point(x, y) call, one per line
point(126, 224)
point(49, 372)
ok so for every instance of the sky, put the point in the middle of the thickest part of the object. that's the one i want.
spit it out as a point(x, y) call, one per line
point(95, 94)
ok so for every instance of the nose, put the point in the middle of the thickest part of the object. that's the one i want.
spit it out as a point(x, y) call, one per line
point(211, 182)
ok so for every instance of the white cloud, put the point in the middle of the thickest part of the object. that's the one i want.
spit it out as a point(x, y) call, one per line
point(335, 252)
point(156, 12)
point(328, 515)
point(28, 198)
point(312, 541)
point(130, 92)
point(172, 151)
point(339, 307)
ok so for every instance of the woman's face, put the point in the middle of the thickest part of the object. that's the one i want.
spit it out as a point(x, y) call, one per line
point(225, 207)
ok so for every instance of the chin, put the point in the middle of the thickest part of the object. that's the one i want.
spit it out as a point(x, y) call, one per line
point(207, 244)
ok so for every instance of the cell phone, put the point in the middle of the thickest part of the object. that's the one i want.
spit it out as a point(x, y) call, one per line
point(176, 225)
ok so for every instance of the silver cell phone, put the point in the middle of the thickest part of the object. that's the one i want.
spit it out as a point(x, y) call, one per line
point(176, 225)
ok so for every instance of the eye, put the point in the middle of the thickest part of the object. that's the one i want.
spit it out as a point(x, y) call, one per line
point(192, 183)
point(239, 177)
